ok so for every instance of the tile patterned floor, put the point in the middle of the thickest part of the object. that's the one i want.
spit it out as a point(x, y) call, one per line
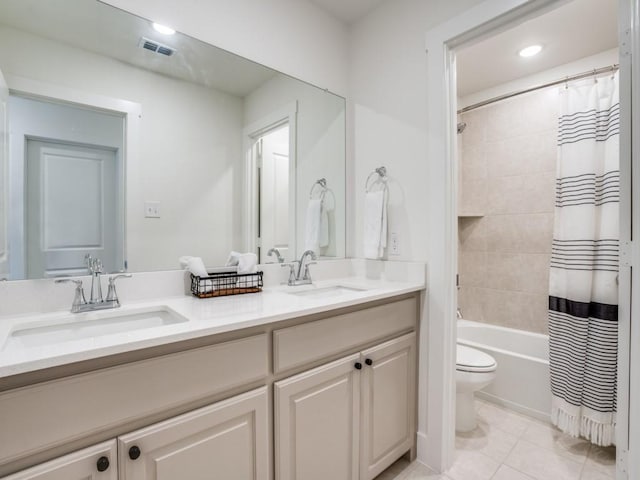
point(510, 446)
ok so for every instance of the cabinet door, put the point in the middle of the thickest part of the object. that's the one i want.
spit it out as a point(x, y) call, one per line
point(316, 423)
point(388, 404)
point(226, 440)
point(81, 465)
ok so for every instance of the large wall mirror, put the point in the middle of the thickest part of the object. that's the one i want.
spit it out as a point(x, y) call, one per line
point(138, 147)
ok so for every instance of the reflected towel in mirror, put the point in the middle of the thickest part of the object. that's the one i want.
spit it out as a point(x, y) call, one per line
point(316, 233)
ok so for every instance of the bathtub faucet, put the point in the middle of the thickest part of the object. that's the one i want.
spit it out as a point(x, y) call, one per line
point(459, 314)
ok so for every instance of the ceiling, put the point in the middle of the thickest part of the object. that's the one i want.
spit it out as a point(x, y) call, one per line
point(105, 30)
point(575, 30)
point(348, 11)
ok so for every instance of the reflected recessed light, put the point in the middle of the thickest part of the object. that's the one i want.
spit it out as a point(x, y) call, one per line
point(530, 51)
point(163, 29)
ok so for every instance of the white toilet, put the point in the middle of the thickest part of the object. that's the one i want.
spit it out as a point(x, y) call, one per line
point(474, 370)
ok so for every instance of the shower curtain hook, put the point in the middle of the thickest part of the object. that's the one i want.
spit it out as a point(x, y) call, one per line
point(595, 78)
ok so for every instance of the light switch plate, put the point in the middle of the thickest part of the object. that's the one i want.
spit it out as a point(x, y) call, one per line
point(395, 244)
point(152, 209)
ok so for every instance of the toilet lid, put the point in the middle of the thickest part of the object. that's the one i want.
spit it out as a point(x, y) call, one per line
point(471, 360)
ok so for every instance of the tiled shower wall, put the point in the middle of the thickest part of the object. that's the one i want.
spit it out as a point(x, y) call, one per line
point(507, 182)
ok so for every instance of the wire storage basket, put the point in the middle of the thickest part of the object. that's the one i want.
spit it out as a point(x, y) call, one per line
point(226, 283)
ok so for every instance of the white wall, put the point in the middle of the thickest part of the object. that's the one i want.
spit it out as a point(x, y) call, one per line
point(292, 36)
point(191, 183)
point(320, 148)
point(387, 115)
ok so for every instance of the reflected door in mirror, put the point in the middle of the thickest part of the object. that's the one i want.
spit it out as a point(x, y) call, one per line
point(274, 192)
point(71, 208)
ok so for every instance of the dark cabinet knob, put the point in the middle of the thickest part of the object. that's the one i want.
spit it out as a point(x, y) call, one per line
point(368, 361)
point(102, 464)
point(134, 452)
point(358, 366)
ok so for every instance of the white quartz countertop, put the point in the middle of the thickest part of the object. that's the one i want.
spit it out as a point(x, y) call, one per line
point(200, 317)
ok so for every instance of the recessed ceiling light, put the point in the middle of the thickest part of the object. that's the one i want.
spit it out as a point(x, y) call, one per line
point(530, 51)
point(163, 29)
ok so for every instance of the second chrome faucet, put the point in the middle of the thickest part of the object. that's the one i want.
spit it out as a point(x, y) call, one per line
point(296, 275)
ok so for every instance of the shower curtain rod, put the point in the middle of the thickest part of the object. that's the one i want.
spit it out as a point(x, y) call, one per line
point(594, 72)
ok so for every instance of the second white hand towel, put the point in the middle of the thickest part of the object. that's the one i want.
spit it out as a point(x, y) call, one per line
point(375, 224)
point(313, 225)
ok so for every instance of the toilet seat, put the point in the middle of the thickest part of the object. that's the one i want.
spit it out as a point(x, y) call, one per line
point(471, 360)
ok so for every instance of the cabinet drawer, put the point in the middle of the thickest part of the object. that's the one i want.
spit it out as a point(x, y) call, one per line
point(53, 413)
point(302, 344)
point(80, 465)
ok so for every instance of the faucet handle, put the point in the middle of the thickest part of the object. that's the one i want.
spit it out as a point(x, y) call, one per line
point(78, 299)
point(306, 270)
point(292, 270)
point(112, 296)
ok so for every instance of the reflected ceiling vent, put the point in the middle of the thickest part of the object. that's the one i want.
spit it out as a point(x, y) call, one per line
point(156, 47)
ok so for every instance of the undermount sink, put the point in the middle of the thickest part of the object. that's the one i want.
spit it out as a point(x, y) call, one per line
point(325, 292)
point(89, 325)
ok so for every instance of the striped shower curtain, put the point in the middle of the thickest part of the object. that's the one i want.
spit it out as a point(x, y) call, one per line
point(583, 291)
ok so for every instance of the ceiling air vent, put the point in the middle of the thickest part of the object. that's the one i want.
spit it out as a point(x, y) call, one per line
point(156, 47)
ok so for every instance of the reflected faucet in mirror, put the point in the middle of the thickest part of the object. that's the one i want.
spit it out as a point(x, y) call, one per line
point(276, 252)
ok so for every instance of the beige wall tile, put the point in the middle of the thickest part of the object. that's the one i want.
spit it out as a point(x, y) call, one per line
point(520, 155)
point(533, 193)
point(507, 172)
point(472, 197)
point(471, 266)
point(535, 273)
point(470, 303)
point(471, 234)
point(522, 233)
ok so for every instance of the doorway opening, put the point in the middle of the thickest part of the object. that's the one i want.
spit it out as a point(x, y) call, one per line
point(511, 198)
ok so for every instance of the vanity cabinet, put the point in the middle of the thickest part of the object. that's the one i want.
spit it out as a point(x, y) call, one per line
point(348, 419)
point(343, 406)
point(98, 462)
point(227, 440)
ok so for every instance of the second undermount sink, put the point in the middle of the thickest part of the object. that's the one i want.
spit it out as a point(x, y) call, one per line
point(89, 325)
point(326, 292)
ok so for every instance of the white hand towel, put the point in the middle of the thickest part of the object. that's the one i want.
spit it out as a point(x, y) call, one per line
point(195, 265)
point(233, 260)
point(375, 224)
point(313, 222)
point(323, 238)
point(247, 263)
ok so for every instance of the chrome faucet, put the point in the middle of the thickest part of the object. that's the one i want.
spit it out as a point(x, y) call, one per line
point(94, 265)
point(296, 277)
point(80, 304)
point(276, 252)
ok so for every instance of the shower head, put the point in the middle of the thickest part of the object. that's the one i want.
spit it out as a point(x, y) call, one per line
point(461, 127)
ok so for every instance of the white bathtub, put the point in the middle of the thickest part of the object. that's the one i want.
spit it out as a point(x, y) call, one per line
point(522, 377)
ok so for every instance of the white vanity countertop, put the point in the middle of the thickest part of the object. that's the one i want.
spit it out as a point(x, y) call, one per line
point(203, 317)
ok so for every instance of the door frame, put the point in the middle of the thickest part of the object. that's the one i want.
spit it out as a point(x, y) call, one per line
point(131, 112)
point(250, 135)
point(436, 423)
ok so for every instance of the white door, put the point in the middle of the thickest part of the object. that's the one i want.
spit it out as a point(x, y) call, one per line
point(227, 440)
point(72, 208)
point(388, 404)
point(274, 228)
point(4, 179)
point(93, 463)
point(316, 423)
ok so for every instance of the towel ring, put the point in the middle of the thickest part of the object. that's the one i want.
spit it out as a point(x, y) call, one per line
point(382, 177)
point(322, 183)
